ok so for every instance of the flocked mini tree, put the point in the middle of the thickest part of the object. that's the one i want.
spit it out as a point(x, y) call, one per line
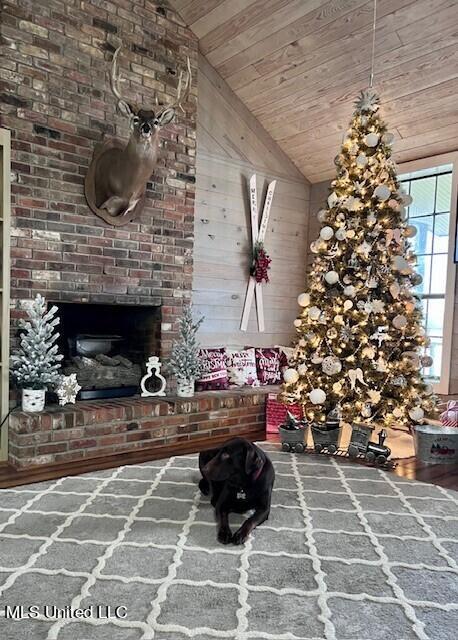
point(361, 343)
point(36, 363)
point(185, 360)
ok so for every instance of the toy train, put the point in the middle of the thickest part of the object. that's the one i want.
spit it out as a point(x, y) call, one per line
point(326, 439)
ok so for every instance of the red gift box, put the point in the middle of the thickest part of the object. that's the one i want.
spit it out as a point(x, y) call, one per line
point(276, 412)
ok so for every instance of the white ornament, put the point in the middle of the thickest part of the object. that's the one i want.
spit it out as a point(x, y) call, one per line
point(315, 246)
point(353, 204)
point(364, 248)
point(382, 192)
point(297, 323)
point(317, 396)
point(372, 283)
point(349, 291)
point(378, 306)
point(332, 199)
point(371, 219)
point(374, 396)
point(380, 335)
point(331, 365)
point(417, 414)
point(302, 369)
point(348, 304)
point(402, 265)
point(356, 375)
point(331, 277)
point(395, 290)
point(326, 233)
point(397, 412)
point(406, 199)
point(68, 389)
point(371, 140)
point(353, 150)
point(381, 365)
point(368, 352)
point(399, 322)
point(322, 215)
point(337, 387)
point(410, 231)
point(153, 368)
point(290, 376)
point(341, 233)
point(426, 361)
point(366, 411)
point(361, 160)
point(314, 313)
point(413, 359)
point(316, 358)
point(303, 299)
point(350, 234)
point(387, 138)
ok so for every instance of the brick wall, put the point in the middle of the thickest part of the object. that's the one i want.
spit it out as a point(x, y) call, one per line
point(93, 429)
point(55, 98)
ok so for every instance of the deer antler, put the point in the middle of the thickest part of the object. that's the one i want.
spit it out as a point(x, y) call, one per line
point(123, 105)
point(182, 94)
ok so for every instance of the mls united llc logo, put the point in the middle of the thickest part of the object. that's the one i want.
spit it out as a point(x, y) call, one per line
point(100, 611)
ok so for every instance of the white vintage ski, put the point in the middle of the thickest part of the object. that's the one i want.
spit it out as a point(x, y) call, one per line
point(257, 235)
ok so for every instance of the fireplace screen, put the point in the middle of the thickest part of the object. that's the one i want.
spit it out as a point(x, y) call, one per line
point(107, 346)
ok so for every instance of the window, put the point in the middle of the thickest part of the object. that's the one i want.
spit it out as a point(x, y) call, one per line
point(432, 214)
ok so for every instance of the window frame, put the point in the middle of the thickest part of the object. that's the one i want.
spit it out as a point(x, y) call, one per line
point(443, 385)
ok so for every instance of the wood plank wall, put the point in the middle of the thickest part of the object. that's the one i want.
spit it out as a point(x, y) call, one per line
point(231, 146)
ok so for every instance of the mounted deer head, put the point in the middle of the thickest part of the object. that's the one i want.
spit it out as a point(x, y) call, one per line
point(116, 180)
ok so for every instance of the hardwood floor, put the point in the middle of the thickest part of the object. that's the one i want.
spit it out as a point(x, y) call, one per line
point(443, 475)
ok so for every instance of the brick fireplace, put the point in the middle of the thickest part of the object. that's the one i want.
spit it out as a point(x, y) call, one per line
point(55, 99)
point(57, 102)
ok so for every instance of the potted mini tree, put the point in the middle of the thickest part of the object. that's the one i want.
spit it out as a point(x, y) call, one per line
point(184, 360)
point(35, 366)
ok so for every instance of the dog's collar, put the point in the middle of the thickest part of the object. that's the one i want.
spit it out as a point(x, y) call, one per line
point(257, 473)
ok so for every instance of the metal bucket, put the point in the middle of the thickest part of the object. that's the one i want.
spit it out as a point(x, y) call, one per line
point(436, 445)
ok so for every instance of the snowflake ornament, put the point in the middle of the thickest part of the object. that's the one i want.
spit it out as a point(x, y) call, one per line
point(367, 100)
point(68, 389)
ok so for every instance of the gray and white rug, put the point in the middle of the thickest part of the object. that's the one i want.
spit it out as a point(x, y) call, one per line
point(349, 553)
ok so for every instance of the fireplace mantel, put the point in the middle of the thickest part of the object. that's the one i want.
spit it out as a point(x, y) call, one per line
point(96, 429)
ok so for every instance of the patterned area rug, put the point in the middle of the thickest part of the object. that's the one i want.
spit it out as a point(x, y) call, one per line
point(349, 553)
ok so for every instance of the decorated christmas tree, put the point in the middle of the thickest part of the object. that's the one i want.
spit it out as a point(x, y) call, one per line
point(361, 343)
point(36, 364)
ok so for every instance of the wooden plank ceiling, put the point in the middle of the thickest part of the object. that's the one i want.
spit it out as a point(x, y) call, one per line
point(299, 64)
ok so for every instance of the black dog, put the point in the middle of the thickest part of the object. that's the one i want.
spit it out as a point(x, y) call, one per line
point(239, 477)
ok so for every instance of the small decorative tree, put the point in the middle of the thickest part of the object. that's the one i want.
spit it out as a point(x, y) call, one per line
point(184, 360)
point(36, 364)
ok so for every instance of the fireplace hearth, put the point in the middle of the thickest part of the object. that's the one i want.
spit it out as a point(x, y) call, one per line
point(107, 345)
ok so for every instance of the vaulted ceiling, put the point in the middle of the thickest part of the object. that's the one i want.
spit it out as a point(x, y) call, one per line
point(299, 64)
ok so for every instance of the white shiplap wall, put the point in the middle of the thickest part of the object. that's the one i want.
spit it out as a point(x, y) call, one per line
point(231, 146)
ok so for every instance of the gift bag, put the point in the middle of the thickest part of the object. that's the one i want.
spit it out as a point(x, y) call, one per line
point(449, 418)
point(276, 412)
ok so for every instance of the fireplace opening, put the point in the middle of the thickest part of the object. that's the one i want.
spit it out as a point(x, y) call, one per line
point(107, 345)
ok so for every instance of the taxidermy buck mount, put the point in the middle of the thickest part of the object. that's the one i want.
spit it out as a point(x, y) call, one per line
point(115, 183)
